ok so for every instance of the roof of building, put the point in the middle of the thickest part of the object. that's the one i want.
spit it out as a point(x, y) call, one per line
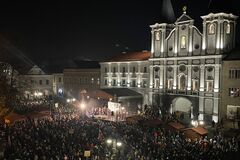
point(133, 56)
point(184, 17)
point(122, 92)
point(232, 55)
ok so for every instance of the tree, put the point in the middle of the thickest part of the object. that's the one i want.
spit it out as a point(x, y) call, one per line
point(9, 97)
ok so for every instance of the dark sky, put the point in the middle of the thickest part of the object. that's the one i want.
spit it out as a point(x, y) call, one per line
point(90, 29)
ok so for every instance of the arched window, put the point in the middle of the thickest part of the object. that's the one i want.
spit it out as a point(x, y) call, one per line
point(228, 29)
point(157, 36)
point(182, 82)
point(183, 42)
point(211, 28)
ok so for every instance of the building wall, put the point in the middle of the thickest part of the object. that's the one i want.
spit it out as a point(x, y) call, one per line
point(77, 80)
point(184, 63)
point(58, 84)
point(230, 88)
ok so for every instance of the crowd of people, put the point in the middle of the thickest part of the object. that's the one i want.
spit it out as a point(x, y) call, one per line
point(69, 136)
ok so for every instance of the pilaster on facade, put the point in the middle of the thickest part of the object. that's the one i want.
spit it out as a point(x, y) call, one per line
point(202, 78)
point(161, 76)
point(152, 43)
point(176, 42)
point(218, 37)
point(128, 75)
point(190, 40)
point(174, 77)
point(151, 77)
point(189, 84)
point(118, 75)
point(139, 76)
point(204, 38)
point(216, 78)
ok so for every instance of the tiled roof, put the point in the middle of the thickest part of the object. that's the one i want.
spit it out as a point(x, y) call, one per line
point(133, 56)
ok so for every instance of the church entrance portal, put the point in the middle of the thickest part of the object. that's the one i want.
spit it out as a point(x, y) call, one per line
point(182, 106)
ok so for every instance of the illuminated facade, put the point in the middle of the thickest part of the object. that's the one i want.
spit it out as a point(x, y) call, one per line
point(184, 67)
point(36, 83)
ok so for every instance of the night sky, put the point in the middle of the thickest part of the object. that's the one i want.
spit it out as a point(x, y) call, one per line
point(90, 29)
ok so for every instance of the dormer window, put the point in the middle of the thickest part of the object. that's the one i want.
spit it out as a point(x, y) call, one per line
point(211, 28)
point(228, 29)
point(183, 42)
point(157, 36)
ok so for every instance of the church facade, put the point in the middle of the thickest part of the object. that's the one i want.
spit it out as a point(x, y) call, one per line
point(184, 66)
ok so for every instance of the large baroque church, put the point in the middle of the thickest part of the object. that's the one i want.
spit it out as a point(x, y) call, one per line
point(183, 70)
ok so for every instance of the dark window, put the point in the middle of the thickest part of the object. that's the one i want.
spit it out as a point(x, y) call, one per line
point(59, 79)
point(47, 82)
point(105, 69)
point(40, 82)
point(145, 70)
point(105, 82)
point(134, 69)
point(114, 69)
point(123, 69)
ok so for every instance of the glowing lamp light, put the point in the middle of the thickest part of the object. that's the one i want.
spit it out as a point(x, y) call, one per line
point(119, 144)
point(123, 108)
point(68, 100)
point(83, 105)
point(109, 141)
point(201, 122)
point(73, 99)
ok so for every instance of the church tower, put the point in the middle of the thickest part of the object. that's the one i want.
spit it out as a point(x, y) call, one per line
point(219, 32)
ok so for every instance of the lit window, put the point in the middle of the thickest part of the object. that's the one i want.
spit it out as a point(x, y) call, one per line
point(170, 84)
point(228, 28)
point(157, 36)
point(211, 28)
point(209, 86)
point(182, 82)
point(195, 85)
point(183, 41)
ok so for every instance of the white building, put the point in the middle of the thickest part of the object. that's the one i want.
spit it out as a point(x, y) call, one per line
point(184, 69)
point(36, 83)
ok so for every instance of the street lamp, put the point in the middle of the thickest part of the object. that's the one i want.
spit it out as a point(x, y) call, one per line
point(115, 145)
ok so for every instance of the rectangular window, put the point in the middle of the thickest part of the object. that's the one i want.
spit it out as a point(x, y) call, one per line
point(32, 81)
point(40, 82)
point(47, 82)
point(209, 86)
point(114, 82)
point(145, 69)
point(114, 69)
point(59, 79)
point(105, 69)
point(195, 85)
point(234, 74)
point(105, 82)
point(124, 70)
point(170, 84)
point(134, 83)
point(134, 69)
point(123, 82)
